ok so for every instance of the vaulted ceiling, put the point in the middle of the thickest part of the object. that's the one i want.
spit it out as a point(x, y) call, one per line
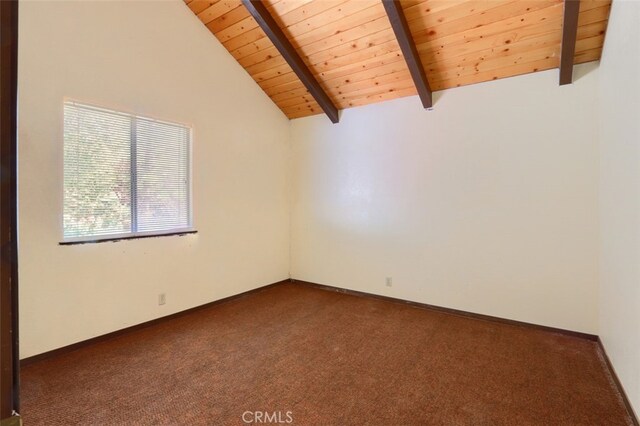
point(352, 51)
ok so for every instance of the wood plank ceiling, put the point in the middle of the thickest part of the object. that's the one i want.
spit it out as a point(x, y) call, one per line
point(352, 51)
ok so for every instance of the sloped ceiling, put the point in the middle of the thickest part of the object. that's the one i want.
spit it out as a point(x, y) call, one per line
point(351, 49)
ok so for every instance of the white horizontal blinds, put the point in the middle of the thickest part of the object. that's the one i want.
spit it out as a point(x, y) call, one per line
point(97, 178)
point(123, 174)
point(162, 190)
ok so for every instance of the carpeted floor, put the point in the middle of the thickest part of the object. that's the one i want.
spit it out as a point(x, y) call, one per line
point(318, 357)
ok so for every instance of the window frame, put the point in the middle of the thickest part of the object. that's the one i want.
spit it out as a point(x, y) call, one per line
point(133, 234)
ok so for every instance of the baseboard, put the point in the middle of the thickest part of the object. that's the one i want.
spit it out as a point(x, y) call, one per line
point(618, 383)
point(450, 311)
point(114, 334)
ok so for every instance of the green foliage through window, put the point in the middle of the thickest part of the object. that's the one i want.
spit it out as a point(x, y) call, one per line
point(123, 174)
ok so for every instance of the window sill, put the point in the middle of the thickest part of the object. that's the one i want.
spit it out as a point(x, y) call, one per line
point(128, 237)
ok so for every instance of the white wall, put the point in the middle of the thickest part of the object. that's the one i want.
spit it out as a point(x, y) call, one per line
point(488, 203)
point(155, 60)
point(620, 195)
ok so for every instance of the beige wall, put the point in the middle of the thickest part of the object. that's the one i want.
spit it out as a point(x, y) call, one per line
point(488, 203)
point(620, 195)
point(161, 62)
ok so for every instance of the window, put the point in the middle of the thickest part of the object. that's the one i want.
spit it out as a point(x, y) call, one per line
point(124, 175)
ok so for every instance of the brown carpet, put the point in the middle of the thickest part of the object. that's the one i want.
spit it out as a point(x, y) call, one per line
point(328, 359)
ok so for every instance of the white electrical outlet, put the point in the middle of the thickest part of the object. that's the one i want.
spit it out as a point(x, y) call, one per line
point(389, 282)
point(162, 299)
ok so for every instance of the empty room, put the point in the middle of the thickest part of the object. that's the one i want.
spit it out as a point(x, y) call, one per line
point(320, 212)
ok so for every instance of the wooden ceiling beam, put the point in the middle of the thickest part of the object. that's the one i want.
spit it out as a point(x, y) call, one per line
point(409, 50)
point(260, 13)
point(569, 36)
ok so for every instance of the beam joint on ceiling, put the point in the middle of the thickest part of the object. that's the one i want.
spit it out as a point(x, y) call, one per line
point(409, 50)
point(569, 36)
point(271, 28)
